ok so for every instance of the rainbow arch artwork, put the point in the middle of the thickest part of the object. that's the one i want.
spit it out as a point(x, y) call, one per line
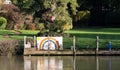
point(49, 43)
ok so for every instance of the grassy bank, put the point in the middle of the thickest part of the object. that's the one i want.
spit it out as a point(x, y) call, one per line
point(85, 38)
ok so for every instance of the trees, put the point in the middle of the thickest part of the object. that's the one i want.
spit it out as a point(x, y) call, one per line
point(56, 15)
point(11, 13)
point(82, 16)
point(45, 10)
point(57, 9)
point(103, 13)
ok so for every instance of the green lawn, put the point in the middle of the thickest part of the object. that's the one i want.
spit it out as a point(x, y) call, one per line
point(85, 38)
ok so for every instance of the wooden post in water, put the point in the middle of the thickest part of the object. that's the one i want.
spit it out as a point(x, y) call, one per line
point(24, 41)
point(74, 45)
point(34, 41)
point(97, 44)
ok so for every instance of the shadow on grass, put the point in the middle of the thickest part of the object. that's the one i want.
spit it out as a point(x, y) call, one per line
point(22, 34)
point(101, 36)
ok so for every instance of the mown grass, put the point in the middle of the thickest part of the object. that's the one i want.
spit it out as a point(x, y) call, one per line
point(85, 38)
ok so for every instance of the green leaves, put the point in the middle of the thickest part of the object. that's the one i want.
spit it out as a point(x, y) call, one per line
point(44, 9)
point(3, 23)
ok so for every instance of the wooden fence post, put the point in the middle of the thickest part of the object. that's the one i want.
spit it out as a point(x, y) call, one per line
point(24, 41)
point(34, 41)
point(74, 45)
point(97, 44)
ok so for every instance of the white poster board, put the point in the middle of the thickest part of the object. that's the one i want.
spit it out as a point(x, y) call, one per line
point(49, 43)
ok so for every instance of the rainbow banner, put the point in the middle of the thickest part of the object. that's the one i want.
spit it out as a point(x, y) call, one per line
point(49, 43)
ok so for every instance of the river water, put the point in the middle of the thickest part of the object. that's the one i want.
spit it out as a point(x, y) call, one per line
point(60, 63)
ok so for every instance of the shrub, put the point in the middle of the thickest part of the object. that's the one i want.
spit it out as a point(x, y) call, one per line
point(30, 26)
point(10, 47)
point(40, 26)
point(12, 12)
point(3, 23)
point(62, 25)
point(10, 26)
point(82, 18)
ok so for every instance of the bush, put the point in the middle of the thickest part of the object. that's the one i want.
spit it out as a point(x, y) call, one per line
point(40, 26)
point(30, 26)
point(62, 25)
point(10, 26)
point(82, 18)
point(10, 47)
point(3, 23)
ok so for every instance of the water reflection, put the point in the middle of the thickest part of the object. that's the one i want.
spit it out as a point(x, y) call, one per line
point(60, 63)
point(11, 63)
point(71, 63)
point(43, 63)
point(107, 63)
point(27, 64)
point(110, 64)
point(97, 63)
point(74, 63)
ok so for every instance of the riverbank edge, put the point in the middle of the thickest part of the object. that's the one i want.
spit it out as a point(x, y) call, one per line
point(34, 52)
